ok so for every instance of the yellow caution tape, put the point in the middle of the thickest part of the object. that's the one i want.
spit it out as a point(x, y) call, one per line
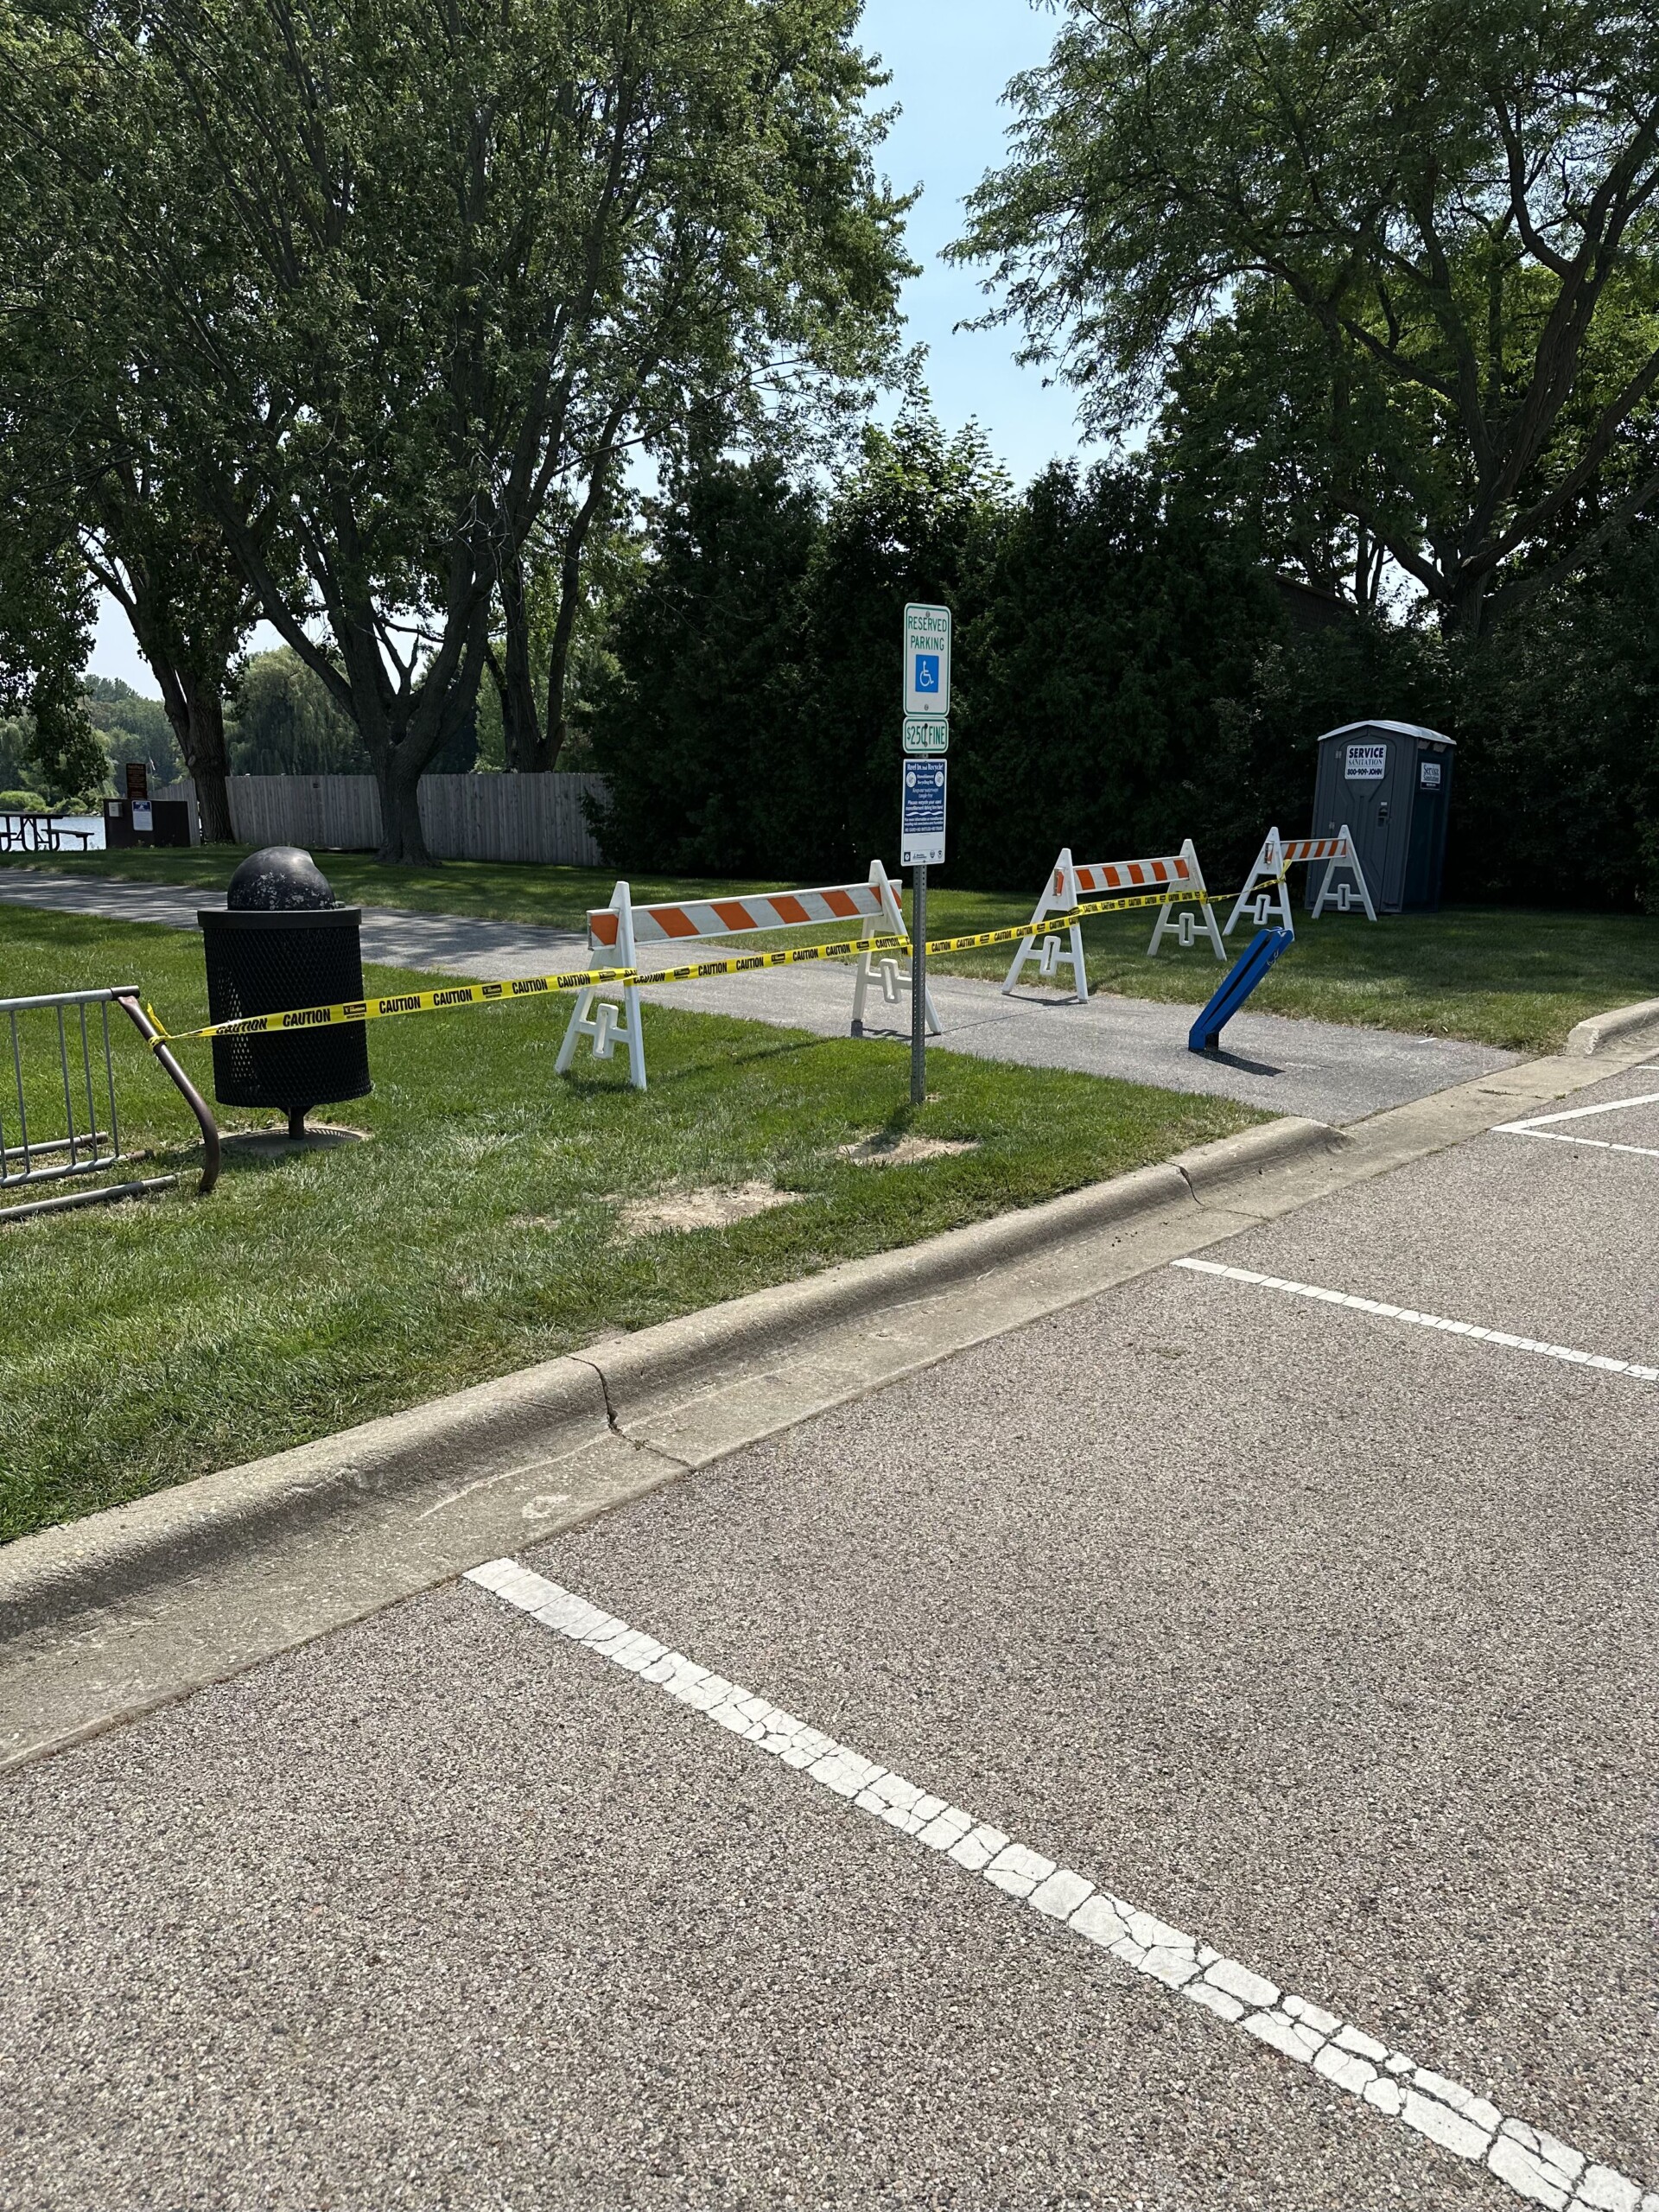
point(741, 966)
point(1055, 922)
point(746, 961)
point(460, 995)
point(452, 995)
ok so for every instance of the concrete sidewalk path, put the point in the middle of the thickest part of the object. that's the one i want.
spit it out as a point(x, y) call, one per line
point(1328, 1070)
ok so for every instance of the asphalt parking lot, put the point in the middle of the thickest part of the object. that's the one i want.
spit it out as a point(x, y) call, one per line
point(1314, 1642)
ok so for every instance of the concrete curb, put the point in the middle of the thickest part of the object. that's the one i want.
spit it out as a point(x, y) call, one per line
point(547, 1412)
point(518, 1420)
point(1603, 1029)
point(704, 1345)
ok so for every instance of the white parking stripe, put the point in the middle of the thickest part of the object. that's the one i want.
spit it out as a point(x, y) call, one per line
point(1417, 1320)
point(1579, 1113)
point(1592, 1144)
point(1536, 2165)
point(1542, 1126)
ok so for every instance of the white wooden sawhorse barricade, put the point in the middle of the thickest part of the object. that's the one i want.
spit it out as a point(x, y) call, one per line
point(616, 932)
point(1071, 883)
point(1273, 863)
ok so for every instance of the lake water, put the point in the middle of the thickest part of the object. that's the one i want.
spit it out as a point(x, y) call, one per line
point(92, 822)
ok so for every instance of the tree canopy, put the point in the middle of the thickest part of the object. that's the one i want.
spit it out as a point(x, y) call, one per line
point(1450, 203)
point(382, 294)
point(431, 267)
point(751, 725)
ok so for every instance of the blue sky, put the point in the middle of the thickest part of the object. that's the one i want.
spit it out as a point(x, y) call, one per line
point(951, 60)
point(951, 130)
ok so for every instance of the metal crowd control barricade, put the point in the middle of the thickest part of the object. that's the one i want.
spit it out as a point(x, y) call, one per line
point(1071, 882)
point(1271, 900)
point(84, 1077)
point(616, 932)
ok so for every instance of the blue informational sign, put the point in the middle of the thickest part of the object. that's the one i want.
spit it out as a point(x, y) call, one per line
point(927, 675)
point(921, 815)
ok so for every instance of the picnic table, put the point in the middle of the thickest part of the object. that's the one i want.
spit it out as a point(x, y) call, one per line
point(24, 832)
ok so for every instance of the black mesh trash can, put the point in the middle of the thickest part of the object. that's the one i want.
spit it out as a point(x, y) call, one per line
point(281, 941)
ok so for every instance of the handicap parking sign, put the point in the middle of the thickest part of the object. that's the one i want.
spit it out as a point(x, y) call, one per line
point(927, 660)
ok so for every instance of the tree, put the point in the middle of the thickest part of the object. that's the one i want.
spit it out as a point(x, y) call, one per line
point(169, 568)
point(287, 723)
point(753, 725)
point(552, 645)
point(1263, 432)
point(421, 272)
point(1119, 660)
point(91, 436)
point(1558, 752)
point(132, 728)
point(46, 604)
point(712, 674)
point(45, 630)
point(921, 517)
point(1456, 197)
point(46, 600)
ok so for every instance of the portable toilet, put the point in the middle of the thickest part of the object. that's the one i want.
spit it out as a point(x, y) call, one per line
point(1391, 783)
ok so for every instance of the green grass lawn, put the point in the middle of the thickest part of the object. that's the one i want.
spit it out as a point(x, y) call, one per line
point(481, 1227)
point(1510, 977)
point(499, 891)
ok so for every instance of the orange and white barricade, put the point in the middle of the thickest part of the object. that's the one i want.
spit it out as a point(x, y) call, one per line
point(616, 933)
point(1266, 895)
point(1071, 883)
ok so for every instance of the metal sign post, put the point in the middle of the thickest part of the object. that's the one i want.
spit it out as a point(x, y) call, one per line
point(921, 810)
point(919, 986)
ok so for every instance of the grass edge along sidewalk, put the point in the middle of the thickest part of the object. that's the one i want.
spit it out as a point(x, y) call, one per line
point(1515, 978)
point(497, 1216)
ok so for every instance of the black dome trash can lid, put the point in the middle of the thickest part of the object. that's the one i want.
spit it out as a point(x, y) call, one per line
point(279, 878)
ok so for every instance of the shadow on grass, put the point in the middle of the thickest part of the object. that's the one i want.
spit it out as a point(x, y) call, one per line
point(587, 1085)
point(264, 1152)
point(899, 1123)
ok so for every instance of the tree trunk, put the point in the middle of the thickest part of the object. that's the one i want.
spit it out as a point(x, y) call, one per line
point(564, 625)
point(521, 727)
point(1463, 612)
point(558, 662)
point(202, 743)
point(404, 736)
point(194, 704)
point(403, 841)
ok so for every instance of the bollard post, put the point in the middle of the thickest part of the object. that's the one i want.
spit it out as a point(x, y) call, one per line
point(919, 986)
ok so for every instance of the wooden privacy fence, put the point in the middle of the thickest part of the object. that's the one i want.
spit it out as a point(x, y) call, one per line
point(488, 817)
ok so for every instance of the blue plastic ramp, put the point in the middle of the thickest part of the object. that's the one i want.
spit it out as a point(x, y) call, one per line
point(1235, 986)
